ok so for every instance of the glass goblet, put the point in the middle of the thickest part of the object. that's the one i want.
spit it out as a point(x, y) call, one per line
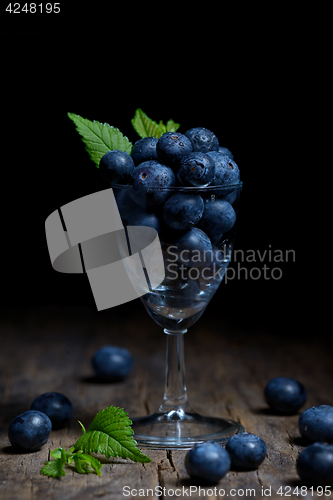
point(196, 246)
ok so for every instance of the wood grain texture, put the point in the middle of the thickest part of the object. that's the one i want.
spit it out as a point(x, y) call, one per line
point(227, 367)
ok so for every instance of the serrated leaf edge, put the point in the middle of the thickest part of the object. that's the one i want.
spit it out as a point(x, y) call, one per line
point(104, 127)
point(99, 442)
point(140, 115)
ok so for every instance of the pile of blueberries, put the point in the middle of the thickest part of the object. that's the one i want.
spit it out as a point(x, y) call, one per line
point(194, 159)
point(53, 410)
point(207, 461)
point(210, 462)
point(31, 429)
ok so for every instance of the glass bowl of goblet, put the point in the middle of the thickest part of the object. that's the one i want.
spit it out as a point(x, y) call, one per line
point(196, 228)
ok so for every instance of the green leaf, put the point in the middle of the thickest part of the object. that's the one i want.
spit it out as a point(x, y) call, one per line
point(162, 126)
point(57, 453)
point(110, 434)
point(82, 427)
point(55, 468)
point(172, 126)
point(146, 127)
point(83, 462)
point(99, 138)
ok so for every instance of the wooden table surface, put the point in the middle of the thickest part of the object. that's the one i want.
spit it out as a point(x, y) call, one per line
point(48, 348)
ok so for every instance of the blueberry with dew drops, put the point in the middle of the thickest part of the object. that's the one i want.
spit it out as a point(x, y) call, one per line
point(196, 169)
point(143, 217)
point(226, 152)
point(116, 166)
point(150, 183)
point(202, 139)
point(218, 217)
point(182, 211)
point(226, 170)
point(171, 147)
point(144, 150)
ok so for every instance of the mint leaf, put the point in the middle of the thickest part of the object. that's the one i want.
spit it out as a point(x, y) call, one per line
point(58, 453)
point(83, 462)
point(82, 427)
point(163, 127)
point(172, 126)
point(99, 138)
point(110, 434)
point(146, 127)
point(55, 468)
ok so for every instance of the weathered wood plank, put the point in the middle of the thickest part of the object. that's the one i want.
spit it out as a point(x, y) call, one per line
point(226, 370)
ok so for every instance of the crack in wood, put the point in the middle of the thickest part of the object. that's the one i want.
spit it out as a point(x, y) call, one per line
point(259, 479)
point(160, 478)
point(290, 439)
point(170, 458)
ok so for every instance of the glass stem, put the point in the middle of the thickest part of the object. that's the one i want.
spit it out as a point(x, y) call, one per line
point(175, 396)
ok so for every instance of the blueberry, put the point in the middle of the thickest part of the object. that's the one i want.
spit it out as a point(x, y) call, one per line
point(226, 152)
point(148, 176)
point(144, 150)
point(218, 216)
point(142, 217)
point(194, 248)
point(116, 166)
point(180, 293)
point(285, 395)
point(207, 461)
point(315, 464)
point(56, 406)
point(125, 204)
point(316, 423)
point(170, 148)
point(182, 211)
point(202, 139)
point(196, 169)
point(215, 265)
point(112, 363)
point(30, 430)
point(247, 451)
point(226, 170)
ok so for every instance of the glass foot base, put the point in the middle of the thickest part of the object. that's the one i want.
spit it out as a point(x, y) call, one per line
point(177, 429)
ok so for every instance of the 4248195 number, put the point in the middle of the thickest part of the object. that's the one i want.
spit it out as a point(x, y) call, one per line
point(33, 8)
point(303, 491)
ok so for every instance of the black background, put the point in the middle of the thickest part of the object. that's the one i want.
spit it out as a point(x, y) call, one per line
point(249, 100)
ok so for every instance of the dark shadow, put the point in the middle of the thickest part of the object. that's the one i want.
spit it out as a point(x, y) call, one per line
point(11, 410)
point(94, 379)
point(300, 441)
point(234, 468)
point(12, 450)
point(193, 481)
point(269, 411)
